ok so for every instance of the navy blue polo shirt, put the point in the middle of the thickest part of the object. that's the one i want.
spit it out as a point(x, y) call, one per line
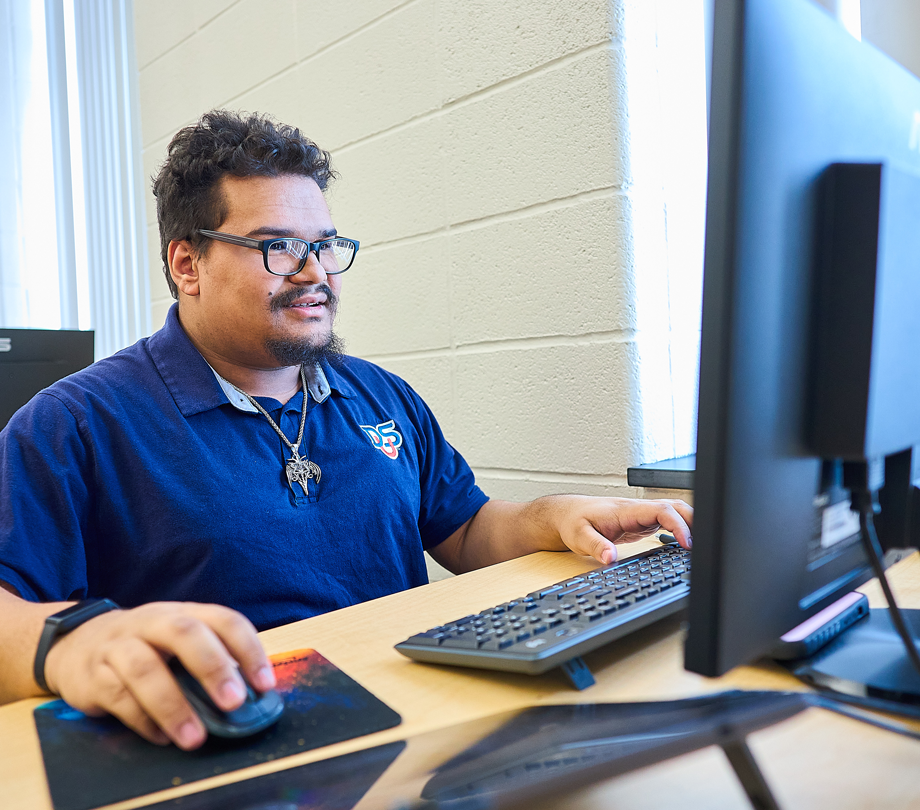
point(139, 480)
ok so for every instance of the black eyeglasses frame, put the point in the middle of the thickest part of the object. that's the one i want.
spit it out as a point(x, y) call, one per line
point(264, 245)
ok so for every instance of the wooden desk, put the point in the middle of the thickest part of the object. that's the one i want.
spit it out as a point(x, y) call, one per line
point(815, 760)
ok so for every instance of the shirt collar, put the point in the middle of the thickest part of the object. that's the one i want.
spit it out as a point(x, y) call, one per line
point(317, 386)
point(194, 385)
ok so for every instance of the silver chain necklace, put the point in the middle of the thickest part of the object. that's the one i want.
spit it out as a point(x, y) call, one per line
point(298, 468)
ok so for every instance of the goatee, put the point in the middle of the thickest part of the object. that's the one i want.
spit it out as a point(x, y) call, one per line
point(306, 351)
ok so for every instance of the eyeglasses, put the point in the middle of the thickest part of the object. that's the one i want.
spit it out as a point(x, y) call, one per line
point(287, 257)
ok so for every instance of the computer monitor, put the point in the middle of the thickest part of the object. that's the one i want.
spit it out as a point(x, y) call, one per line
point(774, 539)
point(32, 359)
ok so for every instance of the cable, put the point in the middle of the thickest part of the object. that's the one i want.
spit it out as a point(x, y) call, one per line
point(835, 702)
point(874, 552)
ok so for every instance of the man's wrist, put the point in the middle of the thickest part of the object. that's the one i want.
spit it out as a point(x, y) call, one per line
point(61, 623)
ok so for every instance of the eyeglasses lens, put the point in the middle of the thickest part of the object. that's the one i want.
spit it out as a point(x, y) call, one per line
point(287, 256)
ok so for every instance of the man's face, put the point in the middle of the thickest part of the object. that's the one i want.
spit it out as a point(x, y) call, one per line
point(245, 314)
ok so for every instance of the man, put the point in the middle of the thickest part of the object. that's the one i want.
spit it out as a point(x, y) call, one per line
point(234, 471)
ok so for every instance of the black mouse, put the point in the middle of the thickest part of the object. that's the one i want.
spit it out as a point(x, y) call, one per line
point(257, 713)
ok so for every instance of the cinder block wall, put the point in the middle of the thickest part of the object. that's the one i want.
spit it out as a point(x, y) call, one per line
point(514, 264)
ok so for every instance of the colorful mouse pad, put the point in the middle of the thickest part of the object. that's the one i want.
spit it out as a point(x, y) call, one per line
point(94, 761)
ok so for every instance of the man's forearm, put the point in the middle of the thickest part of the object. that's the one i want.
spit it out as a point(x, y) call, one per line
point(19, 633)
point(502, 530)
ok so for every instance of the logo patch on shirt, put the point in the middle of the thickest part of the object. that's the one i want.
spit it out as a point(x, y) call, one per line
point(385, 437)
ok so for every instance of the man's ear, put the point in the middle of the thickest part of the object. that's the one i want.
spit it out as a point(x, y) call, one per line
point(183, 266)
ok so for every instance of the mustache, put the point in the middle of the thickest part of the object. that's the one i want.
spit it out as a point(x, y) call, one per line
point(290, 297)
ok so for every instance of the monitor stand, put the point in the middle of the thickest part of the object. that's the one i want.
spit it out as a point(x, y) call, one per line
point(868, 661)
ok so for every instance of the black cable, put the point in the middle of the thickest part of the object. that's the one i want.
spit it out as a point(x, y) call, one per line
point(837, 703)
point(874, 552)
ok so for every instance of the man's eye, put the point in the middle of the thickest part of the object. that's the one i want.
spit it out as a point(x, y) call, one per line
point(326, 246)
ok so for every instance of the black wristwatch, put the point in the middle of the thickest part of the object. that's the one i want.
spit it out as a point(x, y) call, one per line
point(61, 623)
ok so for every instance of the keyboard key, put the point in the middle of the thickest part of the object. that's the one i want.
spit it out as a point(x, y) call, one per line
point(428, 641)
point(463, 642)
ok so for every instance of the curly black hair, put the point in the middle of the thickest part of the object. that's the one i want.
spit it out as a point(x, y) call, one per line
point(187, 186)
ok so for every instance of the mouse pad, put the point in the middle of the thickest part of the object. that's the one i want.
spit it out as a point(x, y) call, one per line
point(94, 761)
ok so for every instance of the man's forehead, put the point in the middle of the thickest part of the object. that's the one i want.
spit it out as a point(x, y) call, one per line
point(285, 200)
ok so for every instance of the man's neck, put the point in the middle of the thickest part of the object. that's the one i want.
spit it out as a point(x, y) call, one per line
point(278, 383)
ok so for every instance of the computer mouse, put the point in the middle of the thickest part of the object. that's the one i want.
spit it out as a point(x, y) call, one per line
point(257, 713)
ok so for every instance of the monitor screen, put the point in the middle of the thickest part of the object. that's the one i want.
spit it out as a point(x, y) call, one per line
point(774, 539)
point(32, 359)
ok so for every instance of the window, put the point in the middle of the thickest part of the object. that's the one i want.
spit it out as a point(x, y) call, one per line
point(69, 169)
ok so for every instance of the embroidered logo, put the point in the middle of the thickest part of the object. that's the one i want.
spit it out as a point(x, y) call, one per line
point(385, 437)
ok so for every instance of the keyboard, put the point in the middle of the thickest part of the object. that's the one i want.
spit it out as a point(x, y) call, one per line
point(556, 625)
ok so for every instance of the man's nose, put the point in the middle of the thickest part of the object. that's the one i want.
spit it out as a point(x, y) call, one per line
point(312, 272)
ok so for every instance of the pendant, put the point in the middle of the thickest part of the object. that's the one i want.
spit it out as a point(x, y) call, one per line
point(301, 470)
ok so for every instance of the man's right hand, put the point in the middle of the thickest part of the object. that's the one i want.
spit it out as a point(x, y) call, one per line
point(116, 664)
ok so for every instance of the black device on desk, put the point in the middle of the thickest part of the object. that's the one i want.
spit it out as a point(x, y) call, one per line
point(257, 713)
point(555, 625)
point(810, 358)
point(32, 359)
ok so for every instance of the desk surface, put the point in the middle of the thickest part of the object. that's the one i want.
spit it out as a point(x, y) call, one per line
point(815, 760)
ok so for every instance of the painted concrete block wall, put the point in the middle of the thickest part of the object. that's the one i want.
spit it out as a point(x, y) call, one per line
point(499, 162)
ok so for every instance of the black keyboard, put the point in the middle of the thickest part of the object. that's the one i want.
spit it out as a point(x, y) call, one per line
point(555, 625)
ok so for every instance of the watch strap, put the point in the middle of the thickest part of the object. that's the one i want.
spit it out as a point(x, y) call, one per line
point(61, 623)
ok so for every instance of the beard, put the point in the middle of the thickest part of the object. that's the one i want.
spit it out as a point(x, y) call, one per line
point(307, 350)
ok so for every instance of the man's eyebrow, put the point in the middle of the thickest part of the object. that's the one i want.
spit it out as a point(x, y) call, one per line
point(269, 232)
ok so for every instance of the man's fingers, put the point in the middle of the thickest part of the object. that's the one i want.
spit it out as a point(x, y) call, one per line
point(591, 543)
point(116, 699)
point(677, 518)
point(683, 509)
point(147, 685)
point(641, 518)
point(193, 640)
point(240, 639)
